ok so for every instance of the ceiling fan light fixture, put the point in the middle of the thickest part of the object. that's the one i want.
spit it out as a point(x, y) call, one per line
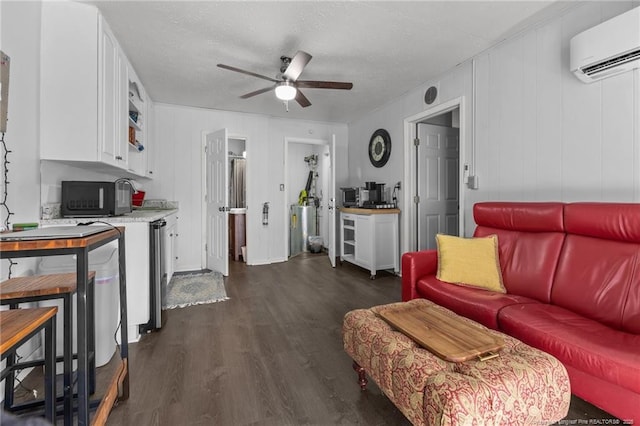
point(286, 91)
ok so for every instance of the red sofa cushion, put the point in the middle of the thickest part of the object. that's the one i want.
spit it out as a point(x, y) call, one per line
point(530, 238)
point(585, 344)
point(610, 221)
point(477, 304)
point(519, 216)
point(596, 277)
point(609, 291)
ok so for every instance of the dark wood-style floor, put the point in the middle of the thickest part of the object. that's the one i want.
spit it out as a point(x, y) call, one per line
point(271, 355)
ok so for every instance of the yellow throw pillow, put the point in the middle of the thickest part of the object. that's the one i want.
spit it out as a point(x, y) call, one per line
point(470, 261)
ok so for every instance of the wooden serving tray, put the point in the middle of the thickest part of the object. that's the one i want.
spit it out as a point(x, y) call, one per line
point(445, 334)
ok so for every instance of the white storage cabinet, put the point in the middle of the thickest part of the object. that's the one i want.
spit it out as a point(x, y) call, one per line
point(84, 83)
point(369, 238)
point(136, 243)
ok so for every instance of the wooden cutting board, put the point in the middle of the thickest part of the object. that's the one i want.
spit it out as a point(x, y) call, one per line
point(445, 334)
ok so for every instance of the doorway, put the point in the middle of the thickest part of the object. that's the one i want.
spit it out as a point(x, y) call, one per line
point(438, 154)
point(223, 198)
point(435, 141)
point(237, 200)
point(309, 196)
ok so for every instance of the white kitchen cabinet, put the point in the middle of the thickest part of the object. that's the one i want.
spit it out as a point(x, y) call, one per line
point(170, 244)
point(136, 243)
point(112, 101)
point(84, 84)
point(369, 238)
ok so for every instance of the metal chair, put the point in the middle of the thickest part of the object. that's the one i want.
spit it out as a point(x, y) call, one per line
point(47, 287)
point(20, 325)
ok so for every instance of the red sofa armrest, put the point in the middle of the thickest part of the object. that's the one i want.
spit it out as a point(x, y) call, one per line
point(415, 265)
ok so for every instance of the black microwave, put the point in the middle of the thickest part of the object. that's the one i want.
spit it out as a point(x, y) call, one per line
point(95, 199)
point(350, 197)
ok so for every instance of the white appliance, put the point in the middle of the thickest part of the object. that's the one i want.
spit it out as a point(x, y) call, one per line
point(610, 48)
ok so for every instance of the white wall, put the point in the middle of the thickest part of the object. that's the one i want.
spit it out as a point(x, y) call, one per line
point(540, 133)
point(20, 29)
point(20, 36)
point(544, 135)
point(179, 133)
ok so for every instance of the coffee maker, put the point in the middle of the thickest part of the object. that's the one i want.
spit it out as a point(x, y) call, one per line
point(376, 198)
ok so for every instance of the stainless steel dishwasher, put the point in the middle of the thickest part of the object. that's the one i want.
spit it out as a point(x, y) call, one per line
point(157, 276)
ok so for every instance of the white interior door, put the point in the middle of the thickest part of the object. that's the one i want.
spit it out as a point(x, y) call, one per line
point(331, 207)
point(438, 171)
point(217, 201)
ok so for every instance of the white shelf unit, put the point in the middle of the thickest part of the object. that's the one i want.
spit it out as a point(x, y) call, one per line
point(370, 240)
point(348, 238)
point(137, 117)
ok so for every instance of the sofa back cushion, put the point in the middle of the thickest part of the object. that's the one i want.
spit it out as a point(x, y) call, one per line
point(530, 238)
point(599, 270)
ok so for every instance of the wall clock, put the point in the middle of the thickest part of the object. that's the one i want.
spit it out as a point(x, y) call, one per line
point(379, 148)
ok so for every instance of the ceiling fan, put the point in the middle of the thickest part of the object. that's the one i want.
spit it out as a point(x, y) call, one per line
point(287, 86)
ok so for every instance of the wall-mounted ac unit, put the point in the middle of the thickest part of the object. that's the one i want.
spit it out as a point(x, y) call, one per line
point(607, 49)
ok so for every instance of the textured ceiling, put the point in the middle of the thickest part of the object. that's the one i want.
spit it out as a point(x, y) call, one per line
point(385, 48)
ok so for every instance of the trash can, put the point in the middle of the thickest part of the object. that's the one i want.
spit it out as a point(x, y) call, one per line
point(315, 243)
point(104, 261)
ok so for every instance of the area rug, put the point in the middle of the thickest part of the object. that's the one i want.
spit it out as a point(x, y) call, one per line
point(195, 289)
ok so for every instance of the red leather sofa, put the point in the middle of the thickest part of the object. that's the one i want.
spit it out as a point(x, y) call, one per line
point(572, 275)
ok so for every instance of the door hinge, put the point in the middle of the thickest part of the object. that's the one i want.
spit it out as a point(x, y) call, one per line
point(416, 142)
point(205, 247)
point(416, 199)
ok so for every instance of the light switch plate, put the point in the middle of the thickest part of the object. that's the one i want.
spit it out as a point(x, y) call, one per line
point(473, 182)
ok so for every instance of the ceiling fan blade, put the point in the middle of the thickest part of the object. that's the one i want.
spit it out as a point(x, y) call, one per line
point(324, 84)
point(302, 99)
point(257, 92)
point(298, 62)
point(230, 68)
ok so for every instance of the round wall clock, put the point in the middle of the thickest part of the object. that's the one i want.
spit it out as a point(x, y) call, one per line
point(379, 148)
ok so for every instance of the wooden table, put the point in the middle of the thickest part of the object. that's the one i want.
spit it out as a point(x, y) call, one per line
point(446, 335)
point(80, 247)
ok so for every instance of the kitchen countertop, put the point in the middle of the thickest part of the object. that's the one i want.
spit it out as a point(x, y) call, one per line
point(138, 215)
point(360, 210)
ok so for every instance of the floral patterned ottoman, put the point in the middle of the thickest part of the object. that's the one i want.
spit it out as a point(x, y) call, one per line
point(521, 386)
